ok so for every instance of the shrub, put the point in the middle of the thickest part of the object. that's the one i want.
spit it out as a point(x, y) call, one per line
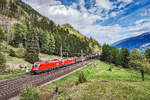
point(45, 95)
point(77, 82)
point(12, 53)
point(69, 97)
point(111, 67)
point(30, 94)
point(2, 62)
point(82, 77)
point(61, 98)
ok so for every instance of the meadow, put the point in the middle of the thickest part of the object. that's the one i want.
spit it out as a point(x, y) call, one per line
point(102, 84)
point(12, 66)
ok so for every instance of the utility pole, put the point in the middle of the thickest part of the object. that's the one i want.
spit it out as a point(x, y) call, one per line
point(61, 51)
point(82, 54)
point(67, 54)
point(8, 34)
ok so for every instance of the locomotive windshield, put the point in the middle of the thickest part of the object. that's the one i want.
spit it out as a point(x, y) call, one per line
point(35, 65)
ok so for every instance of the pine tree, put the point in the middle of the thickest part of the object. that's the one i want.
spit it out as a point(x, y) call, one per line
point(44, 41)
point(51, 44)
point(19, 34)
point(32, 47)
point(124, 57)
point(115, 55)
point(106, 53)
point(2, 57)
point(2, 35)
point(3, 4)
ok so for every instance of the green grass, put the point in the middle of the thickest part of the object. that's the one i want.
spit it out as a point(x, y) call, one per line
point(12, 65)
point(46, 57)
point(118, 84)
point(9, 74)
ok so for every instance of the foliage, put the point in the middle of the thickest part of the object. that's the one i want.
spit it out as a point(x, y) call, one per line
point(139, 61)
point(32, 47)
point(2, 57)
point(2, 35)
point(135, 59)
point(69, 97)
point(30, 93)
point(44, 40)
point(3, 3)
point(115, 55)
point(20, 52)
point(106, 53)
point(51, 44)
point(147, 54)
point(2, 62)
point(111, 67)
point(82, 77)
point(61, 98)
point(124, 57)
point(19, 34)
point(12, 53)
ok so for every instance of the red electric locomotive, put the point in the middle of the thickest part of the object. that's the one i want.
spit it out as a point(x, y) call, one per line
point(68, 61)
point(50, 65)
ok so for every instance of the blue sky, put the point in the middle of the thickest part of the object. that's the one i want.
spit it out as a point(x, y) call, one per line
point(107, 21)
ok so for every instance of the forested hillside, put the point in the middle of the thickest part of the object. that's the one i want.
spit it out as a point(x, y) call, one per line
point(19, 20)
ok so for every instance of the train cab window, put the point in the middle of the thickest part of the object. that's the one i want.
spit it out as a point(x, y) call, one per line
point(35, 65)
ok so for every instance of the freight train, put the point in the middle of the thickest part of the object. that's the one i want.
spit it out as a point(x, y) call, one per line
point(44, 66)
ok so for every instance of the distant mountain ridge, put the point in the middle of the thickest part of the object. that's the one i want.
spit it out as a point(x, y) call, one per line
point(140, 42)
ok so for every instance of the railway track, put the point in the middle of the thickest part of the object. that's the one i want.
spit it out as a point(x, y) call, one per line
point(11, 88)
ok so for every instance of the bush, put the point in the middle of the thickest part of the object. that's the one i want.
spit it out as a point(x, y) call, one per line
point(82, 77)
point(69, 97)
point(30, 94)
point(2, 62)
point(111, 67)
point(77, 82)
point(61, 98)
point(12, 53)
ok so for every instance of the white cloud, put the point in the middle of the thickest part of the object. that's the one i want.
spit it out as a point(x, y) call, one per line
point(113, 14)
point(106, 4)
point(74, 5)
point(84, 21)
point(142, 20)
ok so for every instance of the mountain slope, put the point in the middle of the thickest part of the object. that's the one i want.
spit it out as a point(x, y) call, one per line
point(72, 30)
point(140, 42)
point(65, 35)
